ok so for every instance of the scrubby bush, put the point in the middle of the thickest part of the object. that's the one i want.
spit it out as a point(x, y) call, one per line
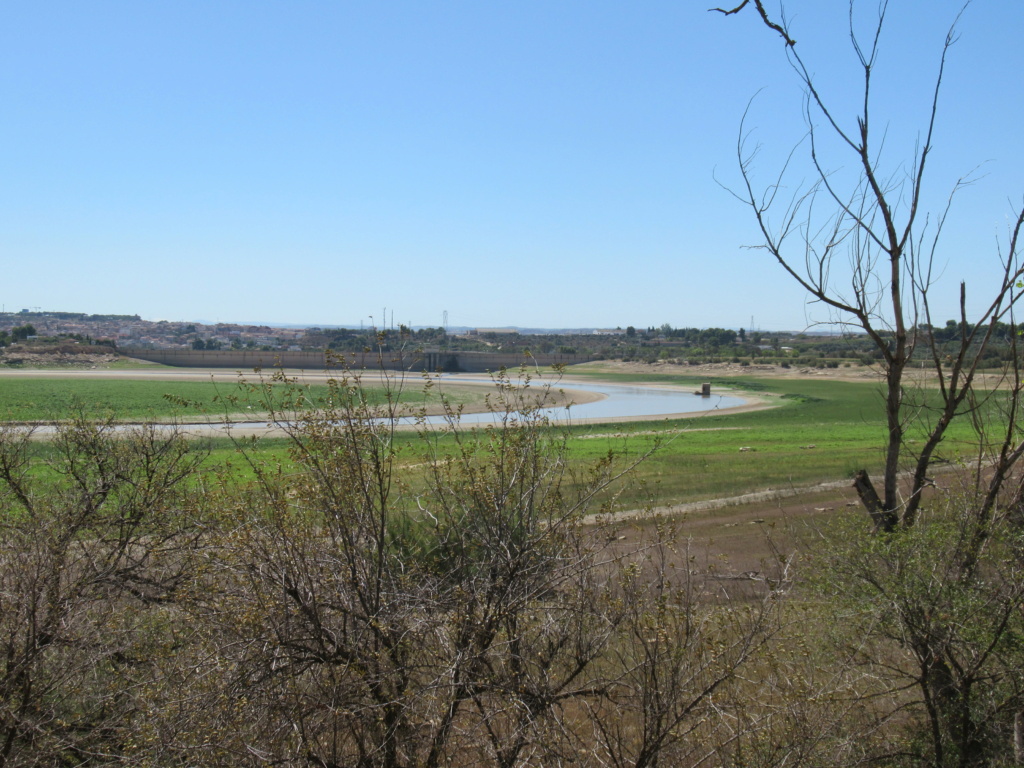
point(361, 603)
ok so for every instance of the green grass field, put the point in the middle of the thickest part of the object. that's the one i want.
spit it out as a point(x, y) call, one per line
point(42, 399)
point(59, 399)
point(819, 430)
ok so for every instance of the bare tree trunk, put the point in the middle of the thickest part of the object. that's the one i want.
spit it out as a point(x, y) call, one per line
point(885, 520)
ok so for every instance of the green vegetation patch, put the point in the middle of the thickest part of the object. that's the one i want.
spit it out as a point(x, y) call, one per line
point(818, 431)
point(58, 399)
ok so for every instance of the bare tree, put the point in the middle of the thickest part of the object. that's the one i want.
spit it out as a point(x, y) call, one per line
point(96, 540)
point(446, 599)
point(861, 245)
point(679, 654)
point(935, 610)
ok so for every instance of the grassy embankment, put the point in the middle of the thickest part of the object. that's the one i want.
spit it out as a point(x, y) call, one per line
point(48, 400)
point(819, 430)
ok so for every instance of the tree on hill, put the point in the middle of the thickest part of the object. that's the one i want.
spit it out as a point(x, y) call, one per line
point(859, 243)
point(22, 332)
point(934, 606)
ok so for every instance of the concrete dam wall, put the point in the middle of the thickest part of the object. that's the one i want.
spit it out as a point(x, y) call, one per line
point(416, 360)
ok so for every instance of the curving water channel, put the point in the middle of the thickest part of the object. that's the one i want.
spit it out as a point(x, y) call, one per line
point(619, 402)
point(614, 402)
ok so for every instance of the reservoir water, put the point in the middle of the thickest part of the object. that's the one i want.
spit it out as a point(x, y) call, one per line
point(621, 402)
point(615, 402)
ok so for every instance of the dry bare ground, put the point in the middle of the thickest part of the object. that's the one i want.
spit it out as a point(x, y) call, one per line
point(67, 360)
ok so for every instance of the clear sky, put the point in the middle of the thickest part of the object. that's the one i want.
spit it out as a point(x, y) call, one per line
point(531, 163)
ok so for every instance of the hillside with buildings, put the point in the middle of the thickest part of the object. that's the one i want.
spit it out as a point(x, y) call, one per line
point(36, 331)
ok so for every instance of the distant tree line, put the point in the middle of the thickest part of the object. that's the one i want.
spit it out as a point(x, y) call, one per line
point(18, 333)
point(22, 333)
point(81, 316)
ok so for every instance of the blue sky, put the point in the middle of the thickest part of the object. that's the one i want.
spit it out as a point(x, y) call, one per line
point(545, 164)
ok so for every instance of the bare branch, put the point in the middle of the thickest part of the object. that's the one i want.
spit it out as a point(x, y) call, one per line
point(764, 17)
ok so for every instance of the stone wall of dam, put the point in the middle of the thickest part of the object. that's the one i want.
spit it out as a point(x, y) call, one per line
point(414, 360)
